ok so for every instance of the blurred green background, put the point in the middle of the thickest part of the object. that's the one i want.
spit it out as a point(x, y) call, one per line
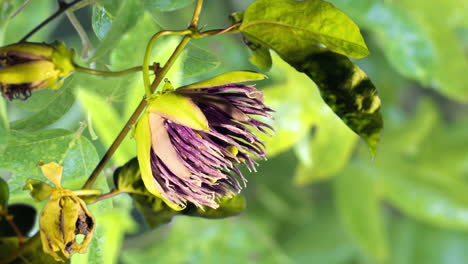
point(321, 197)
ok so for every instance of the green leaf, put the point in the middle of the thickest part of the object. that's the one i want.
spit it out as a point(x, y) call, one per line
point(70, 149)
point(56, 106)
point(440, 31)
point(418, 243)
point(33, 254)
point(155, 211)
point(319, 237)
point(4, 126)
point(357, 195)
point(107, 125)
point(206, 241)
point(31, 16)
point(442, 203)
point(292, 28)
point(261, 56)
point(6, 10)
point(122, 19)
point(327, 152)
point(165, 5)
point(128, 179)
point(24, 217)
point(347, 90)
point(228, 206)
point(198, 60)
point(4, 194)
point(102, 21)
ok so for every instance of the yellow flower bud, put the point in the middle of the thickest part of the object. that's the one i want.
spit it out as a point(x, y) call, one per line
point(25, 67)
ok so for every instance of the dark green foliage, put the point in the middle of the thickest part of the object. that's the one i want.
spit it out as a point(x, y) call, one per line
point(347, 90)
point(155, 211)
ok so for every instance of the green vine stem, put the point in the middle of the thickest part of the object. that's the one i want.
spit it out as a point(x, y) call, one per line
point(62, 8)
point(107, 73)
point(149, 49)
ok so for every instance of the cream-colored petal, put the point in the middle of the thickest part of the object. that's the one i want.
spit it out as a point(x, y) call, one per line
point(163, 147)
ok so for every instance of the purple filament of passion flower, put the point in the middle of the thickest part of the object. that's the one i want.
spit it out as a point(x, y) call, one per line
point(230, 111)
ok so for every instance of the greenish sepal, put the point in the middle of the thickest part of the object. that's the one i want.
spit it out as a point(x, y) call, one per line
point(39, 190)
point(226, 78)
point(179, 109)
point(63, 59)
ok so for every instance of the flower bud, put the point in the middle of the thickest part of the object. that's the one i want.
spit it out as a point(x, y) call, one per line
point(25, 67)
point(64, 217)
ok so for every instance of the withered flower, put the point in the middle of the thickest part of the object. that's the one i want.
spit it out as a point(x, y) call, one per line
point(64, 216)
point(191, 140)
point(25, 67)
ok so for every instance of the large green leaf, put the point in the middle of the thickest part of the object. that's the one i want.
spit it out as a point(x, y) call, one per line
point(198, 60)
point(347, 90)
point(56, 106)
point(31, 16)
point(107, 125)
point(319, 236)
point(4, 126)
point(292, 28)
point(25, 150)
point(6, 10)
point(261, 56)
point(357, 194)
point(418, 243)
point(439, 201)
point(111, 27)
point(164, 5)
